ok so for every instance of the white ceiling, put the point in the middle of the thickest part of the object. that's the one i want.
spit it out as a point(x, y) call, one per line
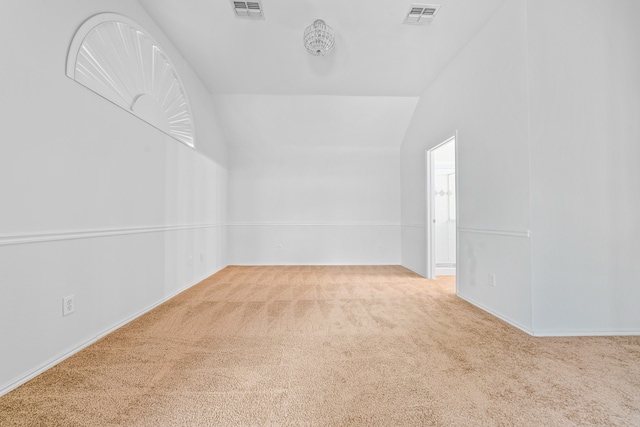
point(375, 55)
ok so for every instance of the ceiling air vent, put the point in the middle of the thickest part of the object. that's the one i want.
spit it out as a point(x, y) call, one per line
point(421, 13)
point(248, 9)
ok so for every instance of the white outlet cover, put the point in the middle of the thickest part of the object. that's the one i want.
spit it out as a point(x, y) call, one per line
point(68, 305)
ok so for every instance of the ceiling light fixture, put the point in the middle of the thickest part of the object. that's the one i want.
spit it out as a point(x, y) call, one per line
point(318, 38)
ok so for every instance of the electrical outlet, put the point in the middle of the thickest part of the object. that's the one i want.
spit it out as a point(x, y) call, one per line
point(68, 305)
point(201, 257)
point(492, 279)
point(190, 260)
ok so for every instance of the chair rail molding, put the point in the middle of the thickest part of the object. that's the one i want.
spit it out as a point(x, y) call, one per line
point(20, 239)
point(511, 233)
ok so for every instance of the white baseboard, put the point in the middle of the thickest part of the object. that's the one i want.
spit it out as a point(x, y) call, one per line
point(313, 264)
point(586, 333)
point(498, 315)
point(445, 271)
point(421, 274)
point(557, 332)
point(61, 357)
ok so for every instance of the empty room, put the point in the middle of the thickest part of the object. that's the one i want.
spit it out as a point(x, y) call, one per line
point(320, 213)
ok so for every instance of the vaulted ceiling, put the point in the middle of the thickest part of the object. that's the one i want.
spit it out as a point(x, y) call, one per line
point(375, 55)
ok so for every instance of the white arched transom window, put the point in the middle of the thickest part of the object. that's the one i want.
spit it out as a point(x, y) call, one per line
point(117, 59)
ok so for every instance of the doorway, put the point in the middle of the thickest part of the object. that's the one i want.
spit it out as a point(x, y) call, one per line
point(442, 237)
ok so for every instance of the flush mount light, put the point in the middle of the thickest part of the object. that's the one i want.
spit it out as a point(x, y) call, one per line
point(421, 13)
point(319, 38)
point(248, 9)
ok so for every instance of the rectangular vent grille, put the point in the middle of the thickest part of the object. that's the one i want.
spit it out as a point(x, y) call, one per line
point(248, 9)
point(421, 13)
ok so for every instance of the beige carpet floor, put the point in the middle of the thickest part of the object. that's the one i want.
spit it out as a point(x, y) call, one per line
point(331, 346)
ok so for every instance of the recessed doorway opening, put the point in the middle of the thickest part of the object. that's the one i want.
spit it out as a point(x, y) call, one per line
point(442, 236)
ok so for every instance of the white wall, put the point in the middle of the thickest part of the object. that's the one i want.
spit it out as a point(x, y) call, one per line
point(314, 206)
point(483, 95)
point(95, 202)
point(584, 71)
point(314, 180)
point(546, 106)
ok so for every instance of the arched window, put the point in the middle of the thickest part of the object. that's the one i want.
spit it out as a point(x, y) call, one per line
point(117, 59)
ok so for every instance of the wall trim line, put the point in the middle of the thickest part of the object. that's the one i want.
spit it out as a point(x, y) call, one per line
point(510, 233)
point(314, 224)
point(20, 239)
point(557, 332)
point(586, 333)
point(416, 225)
point(413, 270)
point(497, 315)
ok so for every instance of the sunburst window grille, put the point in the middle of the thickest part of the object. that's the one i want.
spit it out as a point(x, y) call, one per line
point(117, 59)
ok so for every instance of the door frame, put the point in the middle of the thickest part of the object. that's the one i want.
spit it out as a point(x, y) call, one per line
point(430, 235)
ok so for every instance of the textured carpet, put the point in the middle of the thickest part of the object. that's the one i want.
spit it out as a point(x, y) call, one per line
point(332, 346)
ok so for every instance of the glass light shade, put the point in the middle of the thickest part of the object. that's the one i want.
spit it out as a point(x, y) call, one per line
point(318, 38)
